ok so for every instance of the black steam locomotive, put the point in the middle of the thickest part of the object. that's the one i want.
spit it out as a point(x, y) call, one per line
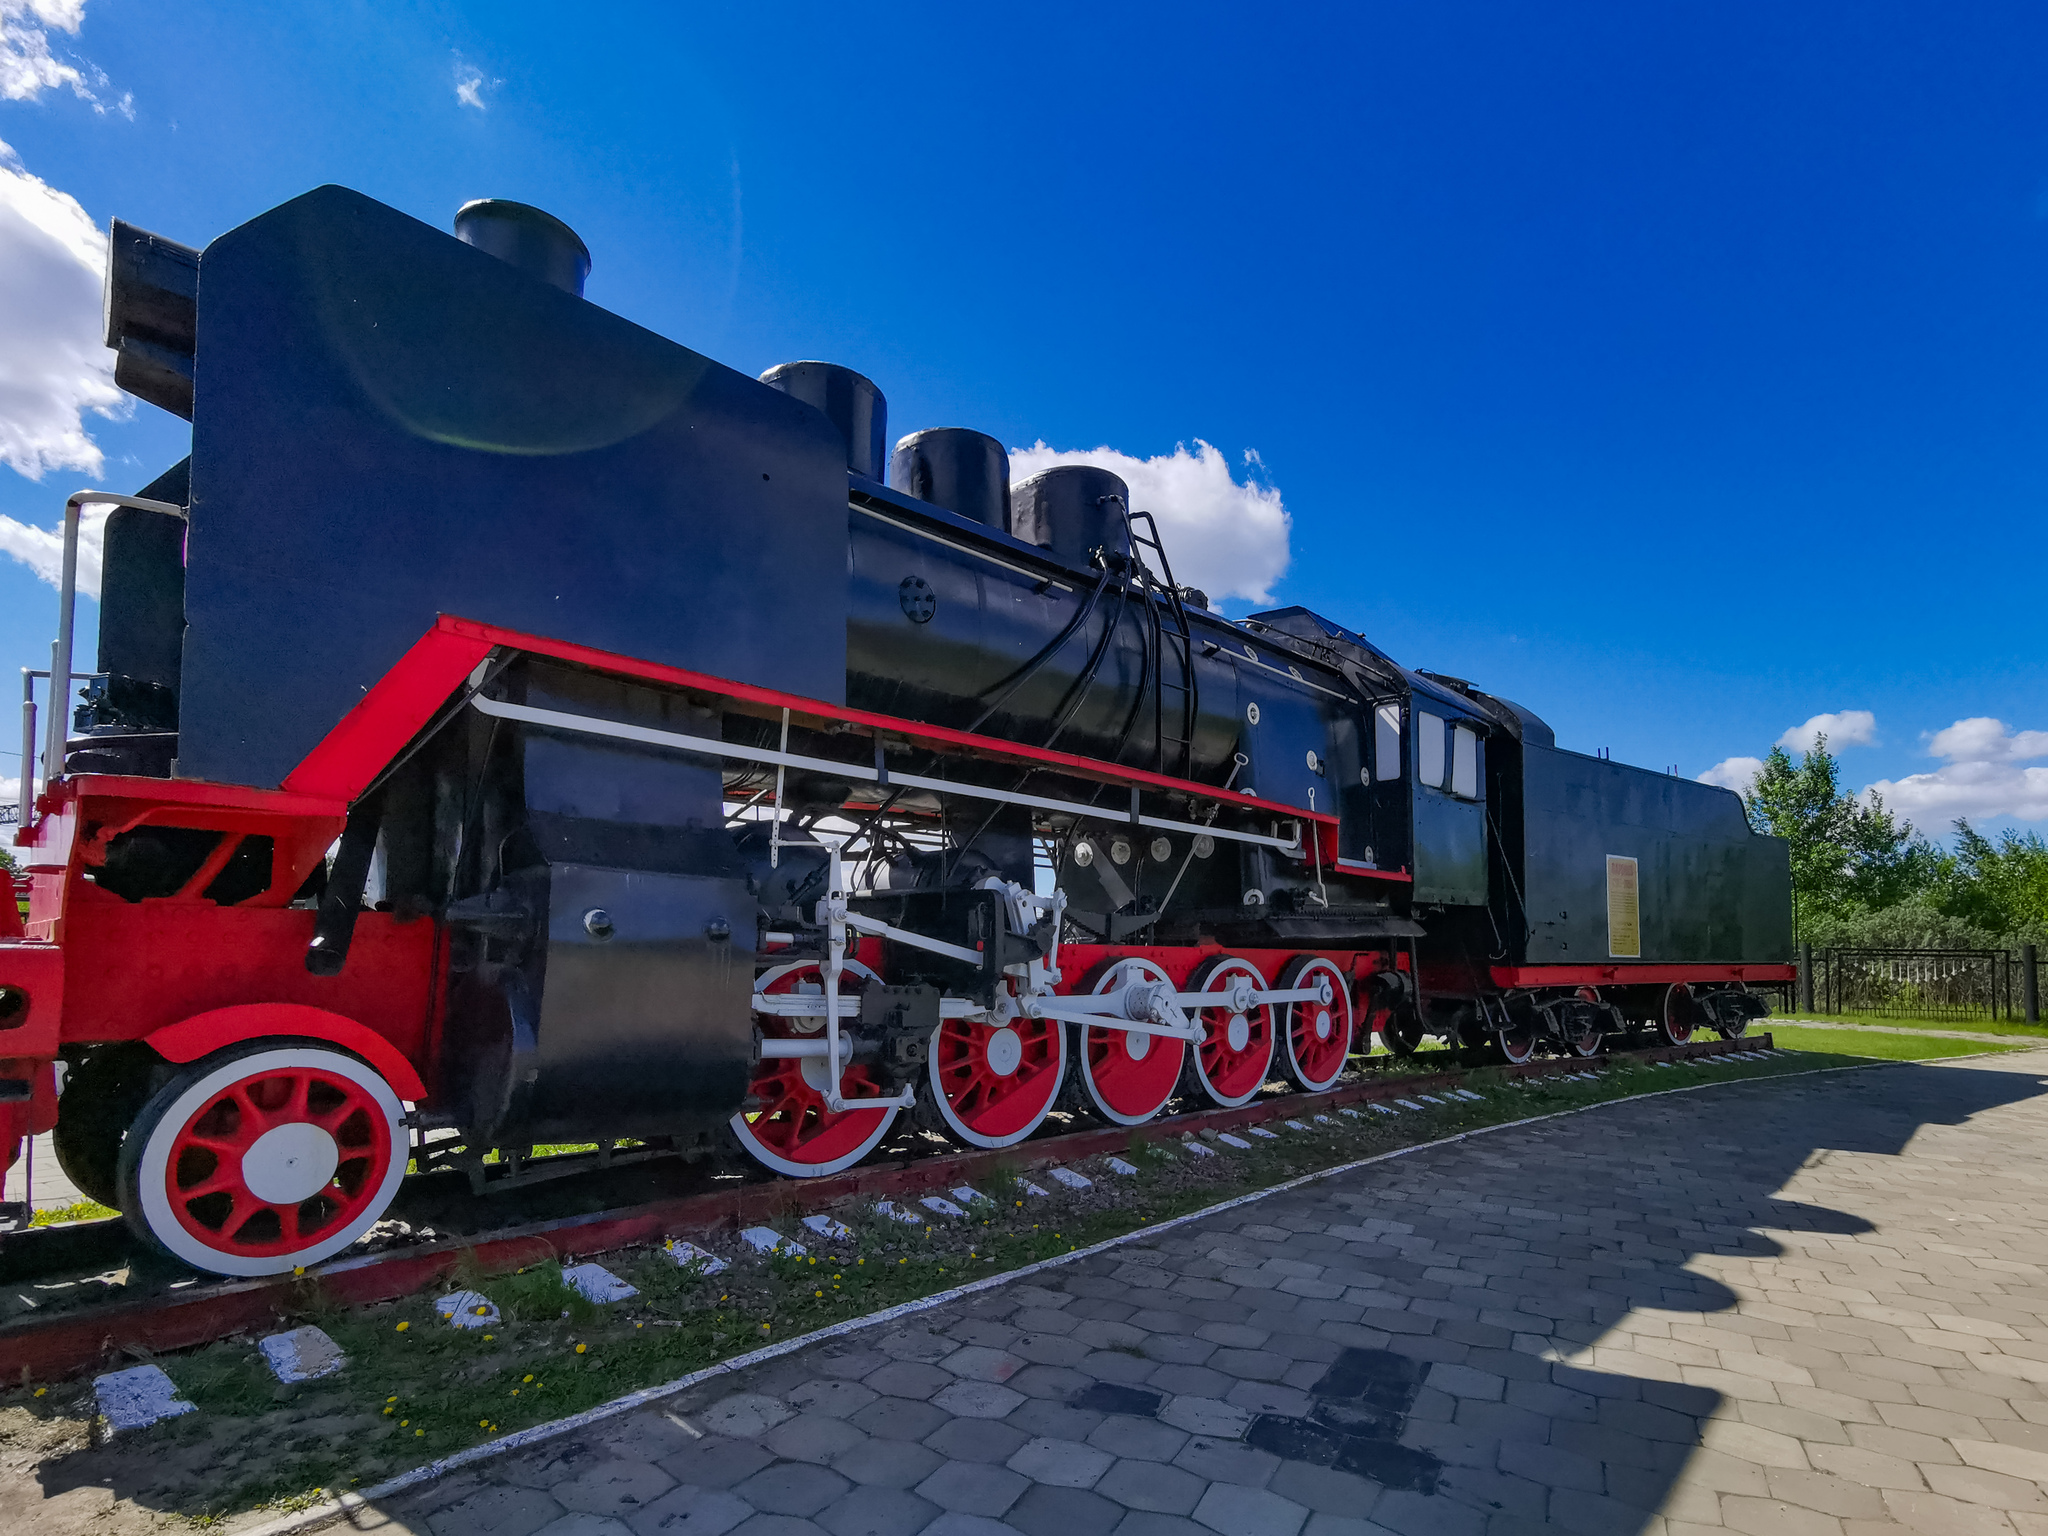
point(508, 720)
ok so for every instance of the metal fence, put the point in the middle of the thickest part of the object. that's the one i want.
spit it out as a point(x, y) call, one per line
point(1947, 985)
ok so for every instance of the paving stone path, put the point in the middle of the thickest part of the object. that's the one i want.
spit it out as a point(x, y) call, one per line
point(1814, 1305)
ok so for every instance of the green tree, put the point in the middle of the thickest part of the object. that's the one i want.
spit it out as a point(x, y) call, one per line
point(1849, 853)
point(2001, 887)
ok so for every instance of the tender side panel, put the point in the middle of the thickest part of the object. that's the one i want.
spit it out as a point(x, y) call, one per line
point(1704, 887)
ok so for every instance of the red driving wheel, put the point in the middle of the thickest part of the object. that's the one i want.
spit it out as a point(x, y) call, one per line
point(1128, 1075)
point(792, 1131)
point(1236, 1055)
point(993, 1084)
point(1319, 1031)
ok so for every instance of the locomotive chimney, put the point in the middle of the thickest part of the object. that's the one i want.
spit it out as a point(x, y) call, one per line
point(1073, 510)
point(850, 402)
point(537, 243)
point(962, 470)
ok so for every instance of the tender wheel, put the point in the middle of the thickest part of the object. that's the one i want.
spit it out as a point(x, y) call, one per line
point(1676, 1014)
point(1740, 1027)
point(1517, 1041)
point(101, 1099)
point(1127, 1076)
point(994, 1085)
point(792, 1131)
point(1589, 1041)
point(1236, 1054)
point(1318, 1033)
point(263, 1157)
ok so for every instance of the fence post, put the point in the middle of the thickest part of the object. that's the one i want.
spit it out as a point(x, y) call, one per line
point(2030, 983)
point(1806, 979)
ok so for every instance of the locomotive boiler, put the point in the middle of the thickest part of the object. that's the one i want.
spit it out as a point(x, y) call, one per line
point(511, 727)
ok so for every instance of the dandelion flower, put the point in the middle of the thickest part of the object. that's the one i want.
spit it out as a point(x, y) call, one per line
point(41, 1390)
point(490, 1338)
point(402, 1423)
point(298, 1269)
point(401, 1327)
point(515, 1391)
point(418, 1433)
point(388, 1409)
point(580, 1348)
point(527, 1378)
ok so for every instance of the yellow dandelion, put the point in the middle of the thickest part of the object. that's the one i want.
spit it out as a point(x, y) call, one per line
point(515, 1391)
point(418, 1433)
point(639, 1325)
point(402, 1423)
point(527, 1378)
point(392, 1398)
point(388, 1409)
point(401, 1327)
point(298, 1269)
point(490, 1338)
point(41, 1390)
point(483, 1423)
point(580, 1348)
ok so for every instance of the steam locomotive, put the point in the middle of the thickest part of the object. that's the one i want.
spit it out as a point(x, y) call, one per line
point(510, 727)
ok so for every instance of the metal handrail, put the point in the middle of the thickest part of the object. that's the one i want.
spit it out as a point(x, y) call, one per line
point(28, 738)
point(60, 648)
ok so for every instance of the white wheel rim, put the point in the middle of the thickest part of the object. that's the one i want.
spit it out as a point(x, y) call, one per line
point(289, 1164)
point(981, 1138)
point(1325, 1021)
point(153, 1165)
point(1121, 975)
point(1238, 1032)
point(775, 1161)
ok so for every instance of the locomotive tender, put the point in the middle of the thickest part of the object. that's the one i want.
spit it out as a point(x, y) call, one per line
point(512, 724)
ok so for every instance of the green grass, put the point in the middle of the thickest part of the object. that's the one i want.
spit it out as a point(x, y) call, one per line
point(1875, 1045)
point(79, 1210)
point(1964, 1026)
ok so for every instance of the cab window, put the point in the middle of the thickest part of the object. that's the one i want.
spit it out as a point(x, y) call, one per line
point(1387, 742)
point(1465, 762)
point(1429, 749)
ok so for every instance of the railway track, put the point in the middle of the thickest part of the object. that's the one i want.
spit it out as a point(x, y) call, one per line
point(183, 1310)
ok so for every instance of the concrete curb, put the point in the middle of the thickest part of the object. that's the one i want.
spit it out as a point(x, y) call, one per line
point(345, 1505)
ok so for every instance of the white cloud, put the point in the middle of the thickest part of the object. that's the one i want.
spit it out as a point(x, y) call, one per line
point(1849, 728)
point(470, 85)
point(28, 67)
point(1736, 773)
point(54, 365)
point(1225, 536)
point(1982, 777)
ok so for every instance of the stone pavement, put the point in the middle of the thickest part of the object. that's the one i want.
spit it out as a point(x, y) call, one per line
point(1810, 1305)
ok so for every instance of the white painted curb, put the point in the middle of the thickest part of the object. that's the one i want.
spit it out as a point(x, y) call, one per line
point(347, 1504)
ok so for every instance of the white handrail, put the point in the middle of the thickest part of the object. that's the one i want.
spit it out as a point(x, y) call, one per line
point(67, 602)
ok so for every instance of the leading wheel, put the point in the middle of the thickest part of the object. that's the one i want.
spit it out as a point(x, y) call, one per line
point(992, 1085)
point(1127, 1076)
point(790, 1129)
point(1236, 1054)
point(101, 1099)
point(1675, 1014)
point(264, 1157)
point(1517, 1039)
point(1318, 1032)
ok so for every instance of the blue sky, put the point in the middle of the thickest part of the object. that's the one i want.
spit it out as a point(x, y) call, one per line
point(1679, 371)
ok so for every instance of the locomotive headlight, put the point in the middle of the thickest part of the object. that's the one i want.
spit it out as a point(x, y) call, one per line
point(1084, 853)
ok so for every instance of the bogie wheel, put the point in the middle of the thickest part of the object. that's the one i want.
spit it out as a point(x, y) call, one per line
point(1236, 1054)
point(1516, 1038)
point(1740, 1027)
point(1127, 1077)
point(993, 1085)
point(264, 1157)
point(1589, 1041)
point(791, 1130)
point(1318, 1032)
point(1675, 1014)
point(1401, 1030)
point(102, 1096)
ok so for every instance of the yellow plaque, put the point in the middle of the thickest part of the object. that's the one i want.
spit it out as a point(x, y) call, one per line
point(1624, 910)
